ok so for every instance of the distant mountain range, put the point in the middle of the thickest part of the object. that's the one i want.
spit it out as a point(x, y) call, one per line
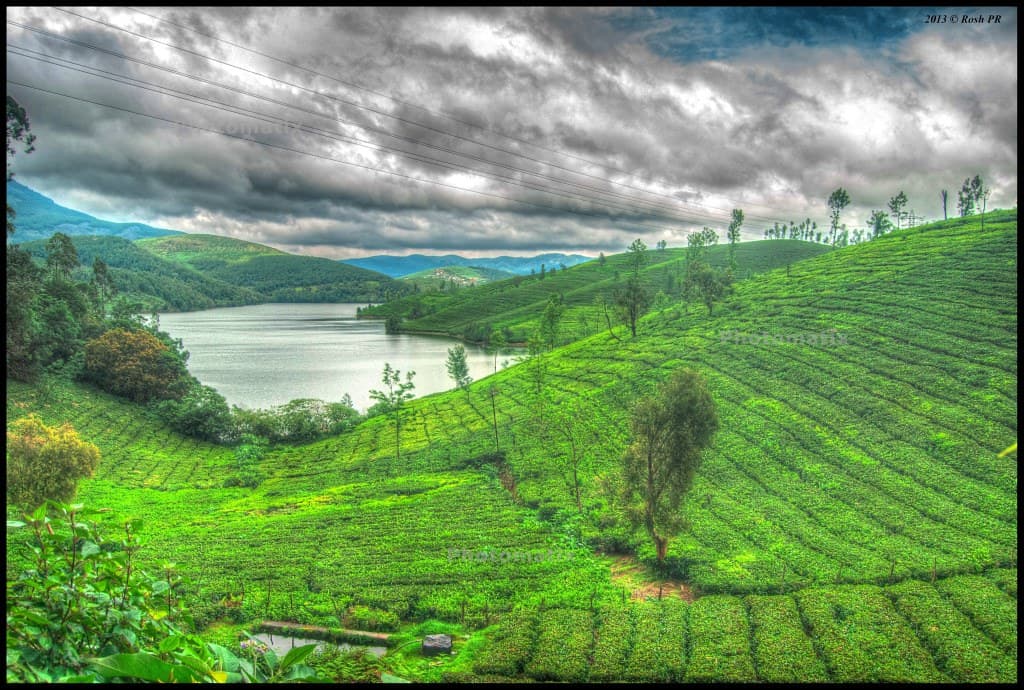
point(38, 217)
point(398, 266)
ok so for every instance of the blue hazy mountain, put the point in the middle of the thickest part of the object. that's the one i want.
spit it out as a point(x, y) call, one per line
point(398, 266)
point(37, 217)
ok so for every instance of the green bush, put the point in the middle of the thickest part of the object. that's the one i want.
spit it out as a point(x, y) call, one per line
point(367, 618)
point(299, 421)
point(201, 413)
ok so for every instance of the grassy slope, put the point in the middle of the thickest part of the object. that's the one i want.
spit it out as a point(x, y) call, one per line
point(517, 303)
point(833, 464)
point(277, 275)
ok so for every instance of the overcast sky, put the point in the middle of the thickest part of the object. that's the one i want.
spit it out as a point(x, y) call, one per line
point(644, 122)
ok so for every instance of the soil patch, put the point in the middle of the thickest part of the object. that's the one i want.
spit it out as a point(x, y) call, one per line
point(643, 584)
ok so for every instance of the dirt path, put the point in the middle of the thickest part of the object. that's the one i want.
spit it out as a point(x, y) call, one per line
point(641, 583)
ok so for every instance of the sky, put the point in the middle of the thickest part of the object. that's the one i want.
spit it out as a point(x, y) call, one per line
point(352, 131)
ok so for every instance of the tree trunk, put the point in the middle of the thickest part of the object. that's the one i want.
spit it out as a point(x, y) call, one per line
point(398, 436)
point(661, 544)
point(494, 419)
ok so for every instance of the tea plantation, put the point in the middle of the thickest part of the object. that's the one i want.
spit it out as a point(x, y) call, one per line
point(514, 305)
point(852, 521)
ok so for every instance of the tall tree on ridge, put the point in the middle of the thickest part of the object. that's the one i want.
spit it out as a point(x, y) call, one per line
point(896, 205)
point(734, 237)
point(837, 201)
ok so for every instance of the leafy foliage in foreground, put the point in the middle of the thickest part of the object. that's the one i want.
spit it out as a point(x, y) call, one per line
point(80, 609)
point(72, 596)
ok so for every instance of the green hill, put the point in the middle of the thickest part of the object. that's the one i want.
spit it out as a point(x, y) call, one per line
point(852, 521)
point(453, 277)
point(517, 303)
point(276, 275)
point(158, 284)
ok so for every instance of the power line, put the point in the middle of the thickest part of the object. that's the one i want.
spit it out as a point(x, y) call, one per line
point(317, 155)
point(436, 113)
point(383, 113)
point(669, 215)
point(265, 117)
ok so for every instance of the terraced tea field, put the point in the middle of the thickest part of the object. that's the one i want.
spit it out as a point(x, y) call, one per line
point(517, 303)
point(910, 632)
point(863, 397)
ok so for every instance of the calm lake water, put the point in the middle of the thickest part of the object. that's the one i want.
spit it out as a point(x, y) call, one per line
point(267, 354)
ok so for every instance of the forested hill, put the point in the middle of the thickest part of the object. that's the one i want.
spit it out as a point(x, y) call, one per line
point(515, 305)
point(189, 272)
point(38, 217)
point(276, 275)
point(155, 283)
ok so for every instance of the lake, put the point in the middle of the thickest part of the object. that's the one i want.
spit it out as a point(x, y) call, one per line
point(267, 354)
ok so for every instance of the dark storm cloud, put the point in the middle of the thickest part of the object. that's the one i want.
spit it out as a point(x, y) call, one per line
point(767, 109)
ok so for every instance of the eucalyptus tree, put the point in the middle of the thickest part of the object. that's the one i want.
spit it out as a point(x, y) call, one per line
point(633, 299)
point(896, 205)
point(879, 224)
point(965, 199)
point(837, 201)
point(458, 367)
point(734, 236)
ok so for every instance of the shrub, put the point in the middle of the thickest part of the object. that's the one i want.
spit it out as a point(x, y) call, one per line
point(298, 421)
point(46, 462)
point(366, 618)
point(248, 453)
point(201, 413)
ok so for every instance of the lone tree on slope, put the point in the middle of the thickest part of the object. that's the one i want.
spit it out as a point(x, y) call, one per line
point(670, 431)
